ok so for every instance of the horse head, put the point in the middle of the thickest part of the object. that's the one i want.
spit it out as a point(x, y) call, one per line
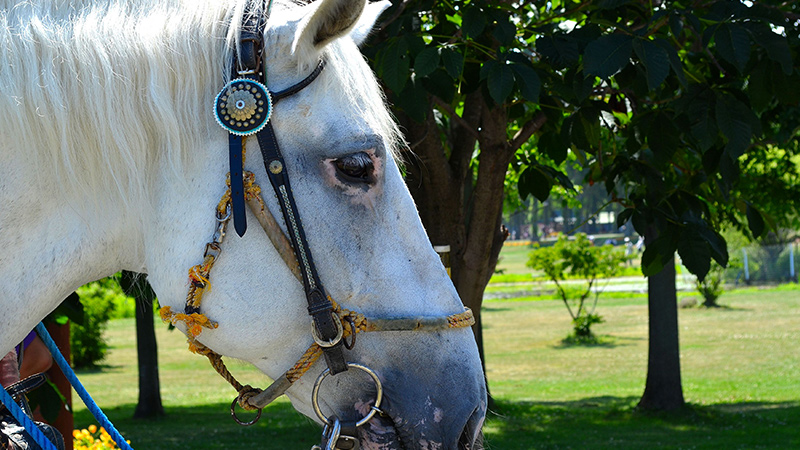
point(339, 144)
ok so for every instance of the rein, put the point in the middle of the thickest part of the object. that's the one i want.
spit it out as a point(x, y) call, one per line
point(243, 108)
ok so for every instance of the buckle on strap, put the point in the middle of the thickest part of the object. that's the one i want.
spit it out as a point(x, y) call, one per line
point(329, 342)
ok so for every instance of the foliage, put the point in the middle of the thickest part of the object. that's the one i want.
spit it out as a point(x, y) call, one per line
point(667, 103)
point(86, 339)
point(578, 258)
point(711, 286)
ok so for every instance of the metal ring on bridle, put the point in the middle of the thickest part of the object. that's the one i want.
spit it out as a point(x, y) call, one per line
point(352, 343)
point(324, 343)
point(236, 419)
point(227, 215)
point(372, 411)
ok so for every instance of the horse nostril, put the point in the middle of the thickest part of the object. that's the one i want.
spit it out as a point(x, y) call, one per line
point(472, 437)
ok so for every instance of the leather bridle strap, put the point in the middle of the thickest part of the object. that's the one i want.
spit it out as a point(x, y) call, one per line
point(247, 65)
point(327, 324)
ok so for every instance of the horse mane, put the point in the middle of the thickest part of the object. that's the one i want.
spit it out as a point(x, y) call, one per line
point(107, 90)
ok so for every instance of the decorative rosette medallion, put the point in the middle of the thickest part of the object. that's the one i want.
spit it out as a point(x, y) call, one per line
point(243, 106)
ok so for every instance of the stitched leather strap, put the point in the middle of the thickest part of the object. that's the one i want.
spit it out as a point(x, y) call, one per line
point(247, 63)
point(319, 306)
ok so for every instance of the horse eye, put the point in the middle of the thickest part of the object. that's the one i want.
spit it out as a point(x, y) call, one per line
point(356, 168)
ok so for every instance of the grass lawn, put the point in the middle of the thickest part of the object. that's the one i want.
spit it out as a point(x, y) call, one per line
point(740, 363)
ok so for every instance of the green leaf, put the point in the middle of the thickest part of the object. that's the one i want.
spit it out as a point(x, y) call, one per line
point(676, 24)
point(759, 87)
point(777, 46)
point(414, 100)
point(716, 243)
point(426, 61)
point(528, 81)
point(561, 51)
point(733, 119)
point(48, 399)
point(453, 62)
point(612, 4)
point(504, 31)
point(703, 123)
point(674, 61)
point(624, 216)
point(663, 137)
point(473, 22)
point(500, 82)
point(651, 261)
point(694, 252)
point(487, 67)
point(655, 61)
point(755, 221)
point(582, 86)
point(395, 68)
point(607, 55)
point(553, 145)
point(733, 44)
point(440, 84)
point(533, 181)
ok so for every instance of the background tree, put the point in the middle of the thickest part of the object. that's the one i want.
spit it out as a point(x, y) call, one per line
point(149, 405)
point(663, 102)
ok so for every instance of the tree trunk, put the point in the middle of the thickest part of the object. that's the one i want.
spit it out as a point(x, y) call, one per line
point(663, 390)
point(149, 405)
point(135, 285)
point(457, 208)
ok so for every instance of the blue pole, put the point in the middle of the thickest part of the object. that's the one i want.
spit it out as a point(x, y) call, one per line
point(82, 393)
point(26, 421)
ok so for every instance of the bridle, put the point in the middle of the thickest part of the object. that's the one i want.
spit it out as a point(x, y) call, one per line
point(243, 108)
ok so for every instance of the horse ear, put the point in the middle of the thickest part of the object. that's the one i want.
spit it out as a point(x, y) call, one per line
point(367, 21)
point(328, 20)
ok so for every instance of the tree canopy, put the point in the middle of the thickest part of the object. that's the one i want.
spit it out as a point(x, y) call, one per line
point(686, 111)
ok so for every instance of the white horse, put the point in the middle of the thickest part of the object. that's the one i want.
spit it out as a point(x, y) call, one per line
point(111, 159)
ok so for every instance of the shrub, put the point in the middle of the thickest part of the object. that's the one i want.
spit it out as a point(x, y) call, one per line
point(711, 286)
point(578, 258)
point(86, 339)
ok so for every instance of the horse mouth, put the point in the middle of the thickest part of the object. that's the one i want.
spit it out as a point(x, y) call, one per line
point(384, 432)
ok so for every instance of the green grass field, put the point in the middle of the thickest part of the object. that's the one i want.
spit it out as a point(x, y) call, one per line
point(740, 363)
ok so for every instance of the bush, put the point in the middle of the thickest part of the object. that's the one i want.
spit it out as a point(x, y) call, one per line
point(711, 286)
point(578, 258)
point(86, 339)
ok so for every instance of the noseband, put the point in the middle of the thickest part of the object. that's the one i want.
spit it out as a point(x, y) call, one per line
point(243, 108)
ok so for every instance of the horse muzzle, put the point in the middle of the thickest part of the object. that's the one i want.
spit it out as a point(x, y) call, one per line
point(415, 419)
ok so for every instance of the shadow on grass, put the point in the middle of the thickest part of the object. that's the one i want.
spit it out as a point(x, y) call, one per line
point(99, 368)
point(490, 308)
point(614, 422)
point(602, 341)
point(719, 307)
point(211, 427)
point(592, 422)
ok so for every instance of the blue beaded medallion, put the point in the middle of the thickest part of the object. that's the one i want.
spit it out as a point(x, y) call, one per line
point(243, 107)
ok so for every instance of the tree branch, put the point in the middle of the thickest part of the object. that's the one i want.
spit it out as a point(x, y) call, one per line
point(454, 116)
point(527, 130)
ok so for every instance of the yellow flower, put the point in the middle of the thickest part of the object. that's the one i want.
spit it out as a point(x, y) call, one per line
point(92, 428)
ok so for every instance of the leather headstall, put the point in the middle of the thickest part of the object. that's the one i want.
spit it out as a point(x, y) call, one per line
point(243, 108)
